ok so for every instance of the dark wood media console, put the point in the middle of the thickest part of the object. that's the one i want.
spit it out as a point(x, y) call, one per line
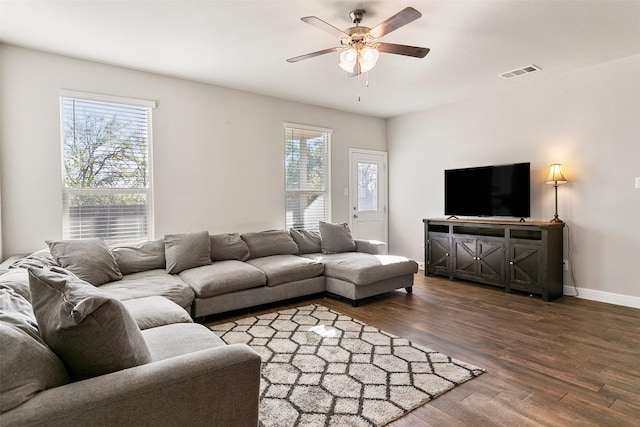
point(526, 256)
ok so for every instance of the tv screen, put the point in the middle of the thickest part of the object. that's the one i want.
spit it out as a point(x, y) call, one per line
point(502, 190)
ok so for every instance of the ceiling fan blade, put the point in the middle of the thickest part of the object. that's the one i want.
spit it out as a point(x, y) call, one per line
point(312, 54)
point(398, 20)
point(324, 26)
point(400, 49)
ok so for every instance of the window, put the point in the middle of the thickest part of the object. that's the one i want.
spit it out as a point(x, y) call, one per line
point(367, 186)
point(307, 176)
point(106, 168)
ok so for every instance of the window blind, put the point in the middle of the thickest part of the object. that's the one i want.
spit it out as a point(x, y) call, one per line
point(307, 177)
point(106, 169)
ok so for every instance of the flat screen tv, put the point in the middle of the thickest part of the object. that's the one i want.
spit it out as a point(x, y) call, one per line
point(502, 190)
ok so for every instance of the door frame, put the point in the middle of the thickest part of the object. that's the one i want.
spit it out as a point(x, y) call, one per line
point(353, 182)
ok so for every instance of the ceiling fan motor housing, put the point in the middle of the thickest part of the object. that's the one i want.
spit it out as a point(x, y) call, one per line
point(356, 16)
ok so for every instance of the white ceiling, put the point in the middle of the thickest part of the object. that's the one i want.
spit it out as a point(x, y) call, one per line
point(244, 44)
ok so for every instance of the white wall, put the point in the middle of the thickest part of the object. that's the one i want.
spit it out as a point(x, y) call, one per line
point(218, 154)
point(587, 120)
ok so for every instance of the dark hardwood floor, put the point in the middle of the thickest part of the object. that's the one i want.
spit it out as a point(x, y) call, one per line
point(570, 362)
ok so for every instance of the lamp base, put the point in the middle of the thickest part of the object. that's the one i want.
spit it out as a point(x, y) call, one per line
point(556, 220)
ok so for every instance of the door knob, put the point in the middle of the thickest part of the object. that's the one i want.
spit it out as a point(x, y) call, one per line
point(355, 215)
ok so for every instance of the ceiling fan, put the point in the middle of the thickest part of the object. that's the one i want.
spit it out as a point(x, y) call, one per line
point(360, 46)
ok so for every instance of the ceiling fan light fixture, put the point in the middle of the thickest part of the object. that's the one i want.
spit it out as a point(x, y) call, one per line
point(368, 58)
point(348, 59)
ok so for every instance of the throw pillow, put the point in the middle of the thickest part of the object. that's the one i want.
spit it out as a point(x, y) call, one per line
point(142, 257)
point(308, 242)
point(28, 364)
point(228, 247)
point(89, 330)
point(267, 243)
point(336, 238)
point(187, 250)
point(89, 259)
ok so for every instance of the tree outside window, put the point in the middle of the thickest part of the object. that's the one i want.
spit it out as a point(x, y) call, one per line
point(106, 173)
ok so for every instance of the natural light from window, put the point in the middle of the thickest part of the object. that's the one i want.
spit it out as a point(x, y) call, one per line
point(106, 167)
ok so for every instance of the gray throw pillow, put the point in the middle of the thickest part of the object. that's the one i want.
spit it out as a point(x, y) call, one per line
point(142, 257)
point(267, 243)
point(309, 242)
point(90, 331)
point(187, 250)
point(336, 238)
point(89, 259)
point(228, 247)
point(28, 364)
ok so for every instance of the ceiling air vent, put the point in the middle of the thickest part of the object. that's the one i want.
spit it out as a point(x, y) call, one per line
point(519, 72)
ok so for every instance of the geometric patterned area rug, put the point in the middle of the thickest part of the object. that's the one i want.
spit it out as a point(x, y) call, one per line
point(322, 368)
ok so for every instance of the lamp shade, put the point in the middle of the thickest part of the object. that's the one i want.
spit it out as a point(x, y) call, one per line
point(555, 175)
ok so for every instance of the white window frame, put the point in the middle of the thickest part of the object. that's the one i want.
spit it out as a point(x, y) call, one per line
point(327, 171)
point(149, 105)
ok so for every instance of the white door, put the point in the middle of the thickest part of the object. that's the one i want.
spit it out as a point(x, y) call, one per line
point(368, 194)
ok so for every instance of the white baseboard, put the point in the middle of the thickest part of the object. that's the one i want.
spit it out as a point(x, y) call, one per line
point(590, 294)
point(601, 296)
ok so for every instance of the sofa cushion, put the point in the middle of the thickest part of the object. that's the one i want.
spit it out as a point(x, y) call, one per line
point(228, 246)
point(90, 331)
point(151, 312)
point(187, 250)
point(223, 277)
point(336, 238)
point(174, 340)
point(363, 269)
point(308, 242)
point(287, 268)
point(29, 366)
point(267, 243)
point(142, 257)
point(151, 283)
point(89, 259)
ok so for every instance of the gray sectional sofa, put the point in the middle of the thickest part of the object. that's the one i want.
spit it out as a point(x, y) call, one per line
point(71, 355)
point(162, 285)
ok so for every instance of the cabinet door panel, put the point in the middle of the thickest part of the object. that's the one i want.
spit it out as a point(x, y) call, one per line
point(465, 256)
point(439, 255)
point(526, 267)
point(491, 263)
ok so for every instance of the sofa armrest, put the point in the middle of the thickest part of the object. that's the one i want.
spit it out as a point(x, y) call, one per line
point(374, 247)
point(7, 262)
point(217, 386)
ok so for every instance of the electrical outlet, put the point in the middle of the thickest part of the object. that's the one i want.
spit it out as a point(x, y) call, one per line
point(421, 265)
point(565, 265)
